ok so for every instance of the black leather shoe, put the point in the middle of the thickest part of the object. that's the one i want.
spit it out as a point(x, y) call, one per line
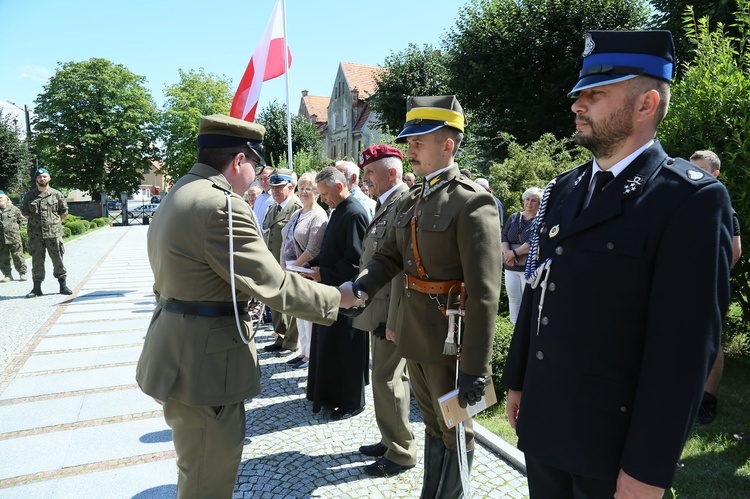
point(385, 467)
point(272, 348)
point(374, 450)
point(342, 413)
point(294, 360)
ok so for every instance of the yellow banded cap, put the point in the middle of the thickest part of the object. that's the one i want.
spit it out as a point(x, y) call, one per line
point(429, 113)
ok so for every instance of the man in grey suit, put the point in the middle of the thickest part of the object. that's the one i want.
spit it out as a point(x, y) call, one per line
point(397, 449)
point(283, 182)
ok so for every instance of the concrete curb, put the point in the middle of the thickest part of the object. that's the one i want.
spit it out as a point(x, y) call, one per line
point(513, 456)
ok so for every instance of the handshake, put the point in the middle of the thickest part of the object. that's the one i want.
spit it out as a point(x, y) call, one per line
point(353, 299)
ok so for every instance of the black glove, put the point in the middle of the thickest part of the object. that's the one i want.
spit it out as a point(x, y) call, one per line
point(470, 389)
point(351, 312)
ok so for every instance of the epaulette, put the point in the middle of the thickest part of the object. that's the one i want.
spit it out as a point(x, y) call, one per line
point(689, 172)
point(464, 180)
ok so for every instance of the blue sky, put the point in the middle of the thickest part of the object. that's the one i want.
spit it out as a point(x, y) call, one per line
point(156, 38)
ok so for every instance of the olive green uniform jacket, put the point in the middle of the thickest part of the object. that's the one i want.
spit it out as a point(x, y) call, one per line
point(275, 221)
point(383, 309)
point(202, 361)
point(458, 238)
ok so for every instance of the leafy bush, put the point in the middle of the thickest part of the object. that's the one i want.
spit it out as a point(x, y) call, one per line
point(66, 231)
point(25, 239)
point(503, 335)
point(531, 165)
point(100, 222)
point(710, 109)
point(77, 227)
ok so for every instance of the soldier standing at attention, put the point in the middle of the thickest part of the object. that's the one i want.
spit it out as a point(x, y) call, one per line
point(445, 234)
point(199, 358)
point(621, 319)
point(397, 449)
point(46, 209)
point(11, 246)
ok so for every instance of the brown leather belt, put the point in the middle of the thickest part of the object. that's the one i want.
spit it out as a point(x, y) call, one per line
point(429, 287)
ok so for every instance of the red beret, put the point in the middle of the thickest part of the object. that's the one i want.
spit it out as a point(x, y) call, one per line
point(375, 153)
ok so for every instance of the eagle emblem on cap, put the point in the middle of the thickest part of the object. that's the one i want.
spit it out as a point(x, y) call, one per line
point(695, 174)
point(588, 45)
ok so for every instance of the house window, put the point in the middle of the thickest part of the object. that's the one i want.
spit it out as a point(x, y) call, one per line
point(343, 118)
point(344, 147)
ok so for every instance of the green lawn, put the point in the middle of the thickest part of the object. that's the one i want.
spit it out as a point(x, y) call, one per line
point(713, 465)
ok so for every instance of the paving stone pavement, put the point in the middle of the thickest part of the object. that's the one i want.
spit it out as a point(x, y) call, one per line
point(73, 423)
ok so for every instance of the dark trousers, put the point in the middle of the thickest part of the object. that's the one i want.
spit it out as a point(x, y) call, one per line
point(548, 482)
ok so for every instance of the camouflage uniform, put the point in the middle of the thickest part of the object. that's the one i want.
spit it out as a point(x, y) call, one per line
point(45, 211)
point(11, 221)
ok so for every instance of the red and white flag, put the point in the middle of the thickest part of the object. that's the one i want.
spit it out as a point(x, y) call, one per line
point(266, 64)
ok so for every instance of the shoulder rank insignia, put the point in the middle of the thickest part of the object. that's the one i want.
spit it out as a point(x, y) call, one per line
point(695, 174)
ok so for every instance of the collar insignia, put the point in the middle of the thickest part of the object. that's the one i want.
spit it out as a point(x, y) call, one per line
point(632, 184)
point(578, 180)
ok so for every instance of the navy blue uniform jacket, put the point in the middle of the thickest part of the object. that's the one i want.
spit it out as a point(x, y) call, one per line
point(631, 321)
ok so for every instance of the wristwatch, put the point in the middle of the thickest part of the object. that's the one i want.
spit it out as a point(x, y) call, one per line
point(360, 293)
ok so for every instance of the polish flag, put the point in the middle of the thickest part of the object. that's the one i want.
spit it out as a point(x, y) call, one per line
point(266, 64)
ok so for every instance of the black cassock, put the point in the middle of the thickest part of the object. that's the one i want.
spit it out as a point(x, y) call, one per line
point(339, 354)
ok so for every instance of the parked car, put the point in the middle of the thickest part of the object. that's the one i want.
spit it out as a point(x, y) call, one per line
point(114, 205)
point(156, 199)
point(147, 210)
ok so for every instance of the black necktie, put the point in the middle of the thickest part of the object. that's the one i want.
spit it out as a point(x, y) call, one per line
point(601, 179)
point(378, 204)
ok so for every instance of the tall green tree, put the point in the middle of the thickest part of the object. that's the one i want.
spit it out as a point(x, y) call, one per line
point(95, 127)
point(15, 160)
point(305, 136)
point(413, 71)
point(669, 15)
point(710, 109)
point(196, 94)
point(513, 62)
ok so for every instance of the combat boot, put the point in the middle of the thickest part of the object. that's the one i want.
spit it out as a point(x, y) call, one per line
point(37, 291)
point(451, 486)
point(7, 278)
point(434, 455)
point(23, 277)
point(64, 289)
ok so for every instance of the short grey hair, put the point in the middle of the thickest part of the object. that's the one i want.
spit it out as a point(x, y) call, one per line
point(710, 156)
point(533, 191)
point(331, 176)
point(351, 168)
point(393, 162)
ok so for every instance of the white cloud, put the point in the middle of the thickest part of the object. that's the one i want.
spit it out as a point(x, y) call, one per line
point(36, 73)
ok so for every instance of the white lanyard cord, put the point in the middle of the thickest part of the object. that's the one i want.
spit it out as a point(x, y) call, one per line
point(245, 339)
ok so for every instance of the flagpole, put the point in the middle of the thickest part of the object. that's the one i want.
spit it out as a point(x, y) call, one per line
point(286, 79)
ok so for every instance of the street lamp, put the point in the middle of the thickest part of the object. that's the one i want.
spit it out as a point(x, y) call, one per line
point(34, 165)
